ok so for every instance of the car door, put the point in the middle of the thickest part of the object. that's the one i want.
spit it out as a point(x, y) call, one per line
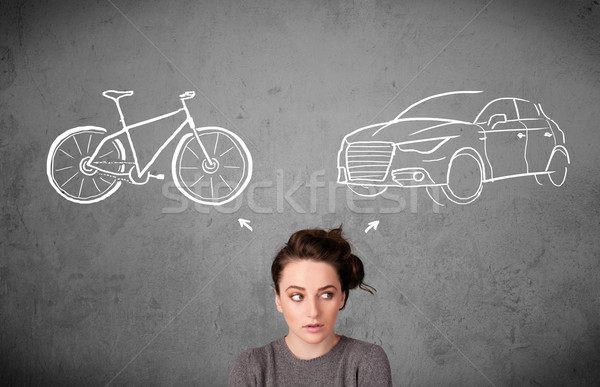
point(540, 137)
point(505, 138)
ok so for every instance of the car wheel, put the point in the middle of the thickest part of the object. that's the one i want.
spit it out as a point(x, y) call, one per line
point(367, 190)
point(465, 177)
point(557, 166)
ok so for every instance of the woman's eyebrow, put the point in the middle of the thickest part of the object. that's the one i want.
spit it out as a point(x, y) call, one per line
point(294, 287)
point(327, 287)
point(301, 288)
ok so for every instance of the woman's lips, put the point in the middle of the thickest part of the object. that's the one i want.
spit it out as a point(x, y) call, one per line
point(313, 328)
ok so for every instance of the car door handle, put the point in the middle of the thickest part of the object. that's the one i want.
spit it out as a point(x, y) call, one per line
point(547, 134)
point(520, 135)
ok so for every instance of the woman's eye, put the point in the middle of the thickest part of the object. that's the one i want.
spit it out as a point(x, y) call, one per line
point(327, 295)
point(296, 297)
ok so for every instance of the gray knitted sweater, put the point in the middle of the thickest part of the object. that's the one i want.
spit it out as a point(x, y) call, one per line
point(349, 363)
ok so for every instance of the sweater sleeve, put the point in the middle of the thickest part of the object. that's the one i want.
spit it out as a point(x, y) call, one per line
point(376, 370)
point(243, 371)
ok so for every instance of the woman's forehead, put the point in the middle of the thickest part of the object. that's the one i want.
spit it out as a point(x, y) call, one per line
point(309, 274)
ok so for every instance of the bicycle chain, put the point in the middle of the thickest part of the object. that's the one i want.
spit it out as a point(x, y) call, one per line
point(115, 177)
point(114, 162)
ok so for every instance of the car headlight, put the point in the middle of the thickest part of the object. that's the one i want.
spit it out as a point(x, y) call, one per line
point(342, 153)
point(425, 146)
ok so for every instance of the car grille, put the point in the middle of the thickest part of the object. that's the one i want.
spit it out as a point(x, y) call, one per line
point(369, 160)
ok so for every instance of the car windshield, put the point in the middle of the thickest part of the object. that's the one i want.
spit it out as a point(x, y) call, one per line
point(457, 105)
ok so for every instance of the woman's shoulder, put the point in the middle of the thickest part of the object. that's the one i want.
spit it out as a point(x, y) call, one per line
point(370, 361)
point(360, 345)
point(259, 355)
point(364, 351)
point(250, 367)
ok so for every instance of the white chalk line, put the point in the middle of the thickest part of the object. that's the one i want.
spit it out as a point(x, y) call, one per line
point(431, 61)
point(179, 312)
point(178, 69)
point(427, 318)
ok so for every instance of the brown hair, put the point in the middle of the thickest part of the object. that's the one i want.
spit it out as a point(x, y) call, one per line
point(323, 246)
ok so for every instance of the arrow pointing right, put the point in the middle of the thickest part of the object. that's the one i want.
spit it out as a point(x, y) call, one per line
point(372, 225)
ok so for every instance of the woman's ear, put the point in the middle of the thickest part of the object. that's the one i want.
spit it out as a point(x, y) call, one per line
point(278, 301)
point(342, 301)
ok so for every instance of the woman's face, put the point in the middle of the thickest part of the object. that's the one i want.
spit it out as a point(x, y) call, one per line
point(310, 297)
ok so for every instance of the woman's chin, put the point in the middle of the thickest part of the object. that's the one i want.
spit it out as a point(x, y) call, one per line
point(314, 338)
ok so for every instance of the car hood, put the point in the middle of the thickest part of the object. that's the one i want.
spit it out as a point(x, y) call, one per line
point(401, 130)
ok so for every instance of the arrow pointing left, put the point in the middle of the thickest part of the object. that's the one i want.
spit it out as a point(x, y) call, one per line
point(245, 223)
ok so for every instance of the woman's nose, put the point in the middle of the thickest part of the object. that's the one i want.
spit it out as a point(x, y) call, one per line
point(313, 308)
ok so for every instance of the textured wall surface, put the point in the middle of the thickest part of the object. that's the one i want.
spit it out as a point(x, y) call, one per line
point(149, 288)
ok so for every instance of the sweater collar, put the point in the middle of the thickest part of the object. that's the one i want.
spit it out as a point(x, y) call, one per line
point(333, 352)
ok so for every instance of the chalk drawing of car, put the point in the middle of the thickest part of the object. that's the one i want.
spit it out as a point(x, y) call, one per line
point(455, 142)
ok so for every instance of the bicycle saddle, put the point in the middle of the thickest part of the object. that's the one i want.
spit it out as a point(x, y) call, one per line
point(114, 94)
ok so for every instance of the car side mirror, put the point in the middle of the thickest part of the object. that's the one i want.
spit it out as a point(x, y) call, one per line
point(496, 118)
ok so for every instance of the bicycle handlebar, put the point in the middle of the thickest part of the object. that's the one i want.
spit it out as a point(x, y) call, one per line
point(188, 94)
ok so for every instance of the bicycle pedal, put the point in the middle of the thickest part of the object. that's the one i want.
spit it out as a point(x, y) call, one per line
point(160, 176)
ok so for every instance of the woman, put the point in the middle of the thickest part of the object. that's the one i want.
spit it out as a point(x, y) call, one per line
point(312, 276)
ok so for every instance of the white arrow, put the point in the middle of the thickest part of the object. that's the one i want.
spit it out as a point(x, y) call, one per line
point(245, 223)
point(372, 225)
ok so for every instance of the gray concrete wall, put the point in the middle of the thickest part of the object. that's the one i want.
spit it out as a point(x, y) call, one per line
point(148, 288)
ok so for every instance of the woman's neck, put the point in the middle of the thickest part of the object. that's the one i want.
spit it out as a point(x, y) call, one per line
point(306, 351)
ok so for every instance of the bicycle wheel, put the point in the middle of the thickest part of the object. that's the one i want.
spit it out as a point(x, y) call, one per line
point(68, 171)
point(216, 181)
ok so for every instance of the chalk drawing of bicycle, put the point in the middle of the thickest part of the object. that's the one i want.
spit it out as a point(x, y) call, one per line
point(211, 165)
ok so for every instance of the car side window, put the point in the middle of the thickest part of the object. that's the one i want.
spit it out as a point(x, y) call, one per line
point(526, 109)
point(504, 106)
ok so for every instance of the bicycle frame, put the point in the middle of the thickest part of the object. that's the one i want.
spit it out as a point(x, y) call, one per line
point(94, 162)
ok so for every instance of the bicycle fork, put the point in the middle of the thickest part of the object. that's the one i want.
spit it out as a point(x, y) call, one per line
point(211, 163)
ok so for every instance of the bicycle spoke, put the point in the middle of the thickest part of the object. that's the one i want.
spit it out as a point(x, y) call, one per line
point(81, 186)
point(88, 145)
point(223, 180)
point(196, 182)
point(63, 184)
point(106, 181)
point(231, 166)
point(78, 148)
point(96, 184)
point(189, 168)
point(212, 194)
point(106, 154)
point(67, 154)
point(216, 142)
point(225, 152)
point(62, 169)
point(190, 149)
